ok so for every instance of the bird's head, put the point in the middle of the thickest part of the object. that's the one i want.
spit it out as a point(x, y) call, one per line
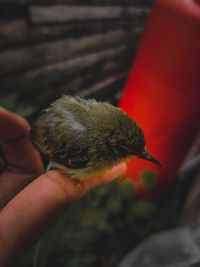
point(128, 140)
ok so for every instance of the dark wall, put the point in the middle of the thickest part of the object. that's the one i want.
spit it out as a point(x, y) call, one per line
point(49, 48)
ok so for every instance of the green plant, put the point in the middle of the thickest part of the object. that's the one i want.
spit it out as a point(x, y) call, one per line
point(11, 103)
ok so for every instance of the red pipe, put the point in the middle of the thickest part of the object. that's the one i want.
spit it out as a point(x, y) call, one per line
point(162, 92)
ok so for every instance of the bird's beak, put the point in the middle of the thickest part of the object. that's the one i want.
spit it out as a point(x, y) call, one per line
point(147, 156)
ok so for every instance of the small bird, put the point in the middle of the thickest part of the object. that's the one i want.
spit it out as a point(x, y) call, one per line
point(86, 137)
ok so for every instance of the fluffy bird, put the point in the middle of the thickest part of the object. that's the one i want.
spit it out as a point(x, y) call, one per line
point(86, 137)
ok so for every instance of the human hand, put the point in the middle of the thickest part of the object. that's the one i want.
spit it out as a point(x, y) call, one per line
point(29, 205)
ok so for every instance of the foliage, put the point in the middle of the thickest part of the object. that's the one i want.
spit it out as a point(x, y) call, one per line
point(10, 102)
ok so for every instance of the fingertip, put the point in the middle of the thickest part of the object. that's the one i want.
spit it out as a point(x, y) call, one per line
point(120, 169)
point(116, 171)
point(102, 179)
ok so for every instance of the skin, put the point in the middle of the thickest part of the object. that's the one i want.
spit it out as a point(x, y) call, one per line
point(31, 200)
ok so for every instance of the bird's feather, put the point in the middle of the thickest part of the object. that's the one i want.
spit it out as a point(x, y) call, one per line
point(86, 136)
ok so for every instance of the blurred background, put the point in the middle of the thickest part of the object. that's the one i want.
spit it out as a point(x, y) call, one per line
point(49, 48)
point(53, 47)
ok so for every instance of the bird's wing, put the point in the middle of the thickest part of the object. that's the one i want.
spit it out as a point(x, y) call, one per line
point(71, 156)
point(59, 132)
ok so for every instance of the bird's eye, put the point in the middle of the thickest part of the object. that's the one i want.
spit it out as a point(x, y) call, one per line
point(122, 150)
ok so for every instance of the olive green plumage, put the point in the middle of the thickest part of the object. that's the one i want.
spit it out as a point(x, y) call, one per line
point(86, 136)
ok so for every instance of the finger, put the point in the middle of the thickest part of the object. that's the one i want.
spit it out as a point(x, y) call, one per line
point(114, 173)
point(26, 216)
point(14, 137)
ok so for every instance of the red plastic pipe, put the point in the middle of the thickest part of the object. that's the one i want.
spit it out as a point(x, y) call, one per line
point(162, 92)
